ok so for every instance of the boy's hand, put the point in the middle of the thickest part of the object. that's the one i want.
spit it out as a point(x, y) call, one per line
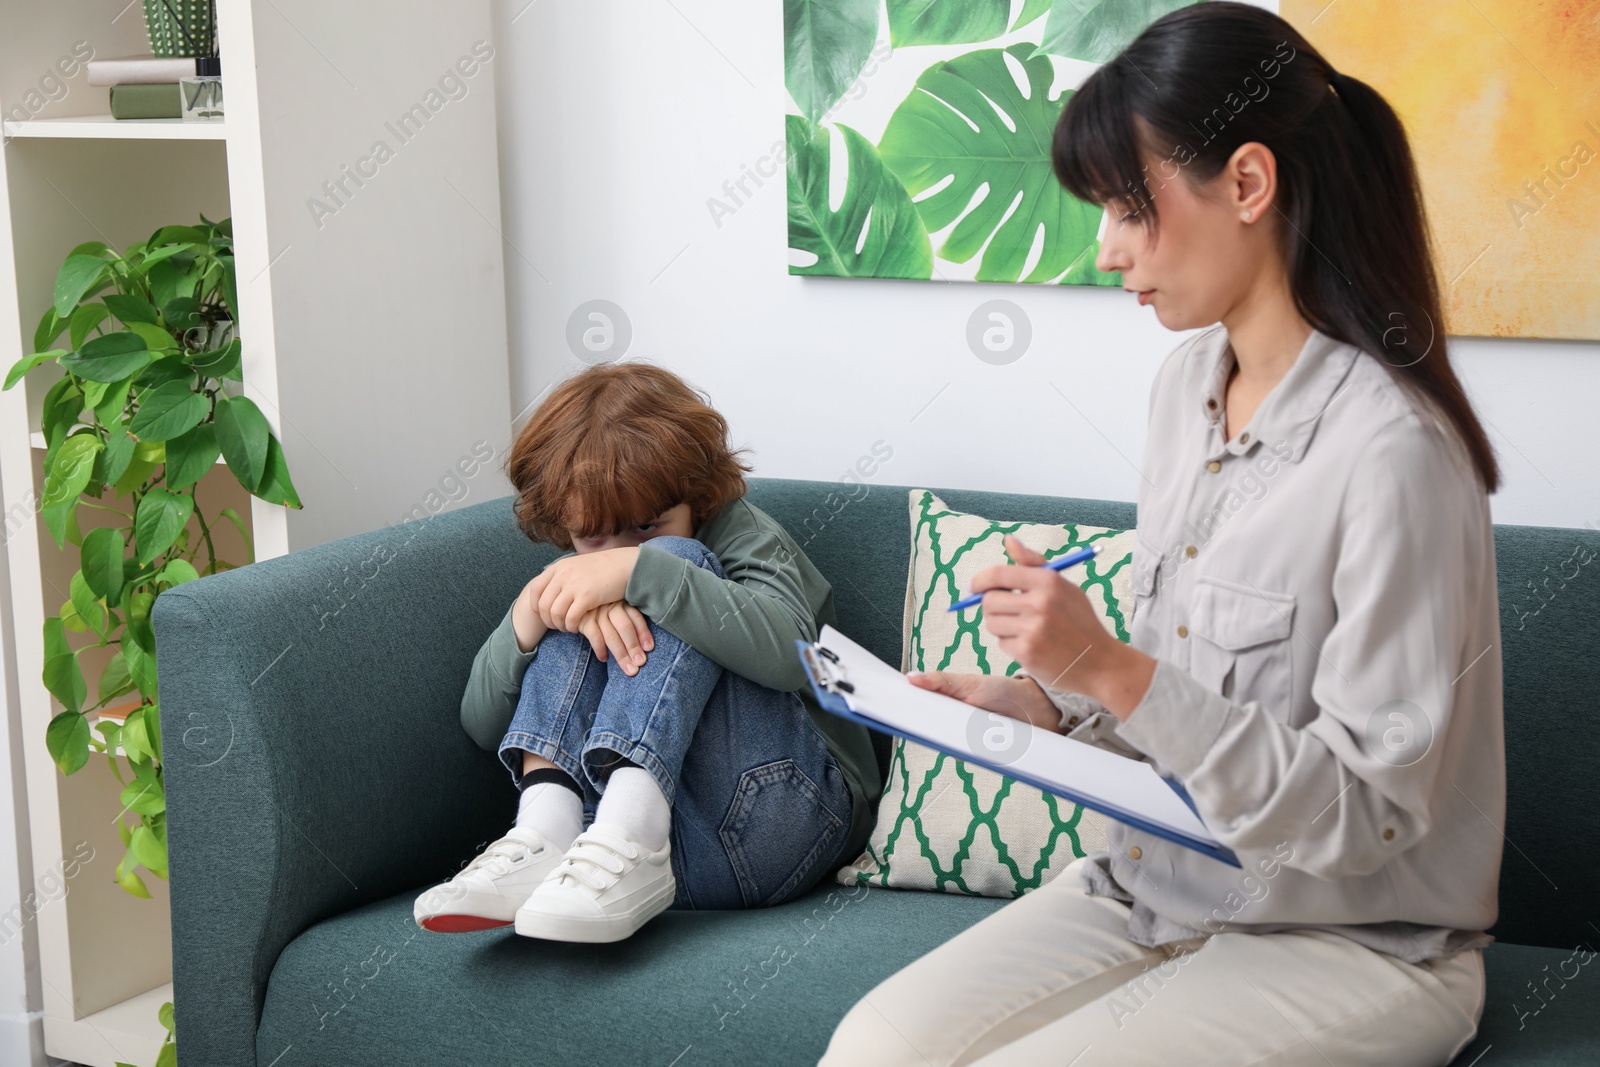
point(620, 629)
point(530, 629)
point(570, 588)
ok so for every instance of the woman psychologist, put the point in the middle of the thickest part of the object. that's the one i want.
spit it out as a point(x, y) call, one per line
point(1314, 649)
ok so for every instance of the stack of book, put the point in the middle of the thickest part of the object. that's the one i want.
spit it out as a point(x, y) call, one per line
point(143, 87)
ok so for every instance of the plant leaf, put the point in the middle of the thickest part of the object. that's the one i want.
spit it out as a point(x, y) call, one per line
point(70, 619)
point(77, 275)
point(49, 328)
point(104, 552)
point(230, 288)
point(826, 46)
point(64, 678)
point(946, 21)
point(147, 850)
point(1031, 10)
point(181, 313)
point(161, 514)
point(27, 363)
point(191, 455)
point(1096, 30)
point(85, 318)
point(67, 738)
point(109, 410)
point(156, 338)
point(114, 680)
point(86, 604)
point(69, 473)
point(151, 718)
point(930, 139)
point(109, 358)
point(168, 281)
point(169, 367)
point(141, 667)
point(219, 362)
point(164, 252)
point(177, 572)
point(168, 411)
point(133, 743)
point(139, 469)
point(275, 487)
point(242, 433)
point(63, 401)
point(132, 883)
point(131, 309)
point(55, 642)
point(876, 233)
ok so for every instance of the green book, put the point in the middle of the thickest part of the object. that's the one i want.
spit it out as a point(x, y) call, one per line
point(158, 101)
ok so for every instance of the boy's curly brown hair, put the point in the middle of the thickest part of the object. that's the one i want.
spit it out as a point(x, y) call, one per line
point(614, 446)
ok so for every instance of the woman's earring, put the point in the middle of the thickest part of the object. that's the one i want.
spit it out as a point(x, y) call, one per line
point(1245, 215)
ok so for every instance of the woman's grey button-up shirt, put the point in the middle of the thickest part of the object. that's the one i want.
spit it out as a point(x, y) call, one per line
point(1320, 595)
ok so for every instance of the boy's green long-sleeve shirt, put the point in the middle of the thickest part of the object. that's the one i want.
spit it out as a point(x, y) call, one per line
point(746, 622)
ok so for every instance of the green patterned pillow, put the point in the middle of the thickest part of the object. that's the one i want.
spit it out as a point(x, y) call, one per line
point(946, 825)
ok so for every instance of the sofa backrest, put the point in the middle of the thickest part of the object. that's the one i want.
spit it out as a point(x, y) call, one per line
point(858, 534)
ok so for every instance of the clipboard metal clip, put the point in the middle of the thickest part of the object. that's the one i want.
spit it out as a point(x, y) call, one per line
point(825, 667)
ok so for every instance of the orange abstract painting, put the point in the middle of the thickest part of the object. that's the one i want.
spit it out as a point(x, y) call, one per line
point(1501, 100)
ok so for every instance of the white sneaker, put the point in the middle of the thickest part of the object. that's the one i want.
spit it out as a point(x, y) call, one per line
point(490, 889)
point(605, 888)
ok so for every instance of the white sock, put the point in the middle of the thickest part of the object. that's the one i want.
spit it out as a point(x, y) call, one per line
point(552, 809)
point(634, 803)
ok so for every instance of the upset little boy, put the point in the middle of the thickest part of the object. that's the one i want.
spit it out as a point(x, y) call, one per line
point(643, 691)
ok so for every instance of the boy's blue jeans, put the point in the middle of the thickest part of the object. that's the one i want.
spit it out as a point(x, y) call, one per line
point(760, 808)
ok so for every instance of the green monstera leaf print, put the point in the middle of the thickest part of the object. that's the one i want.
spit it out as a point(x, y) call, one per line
point(875, 233)
point(968, 125)
point(955, 21)
point(826, 47)
point(1096, 30)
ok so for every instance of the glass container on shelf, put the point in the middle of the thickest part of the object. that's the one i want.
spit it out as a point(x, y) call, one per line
point(202, 94)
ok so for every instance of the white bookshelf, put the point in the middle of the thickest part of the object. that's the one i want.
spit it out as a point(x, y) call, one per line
point(374, 342)
point(104, 126)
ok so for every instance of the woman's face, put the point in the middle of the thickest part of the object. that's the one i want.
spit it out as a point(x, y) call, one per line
point(1203, 261)
point(676, 521)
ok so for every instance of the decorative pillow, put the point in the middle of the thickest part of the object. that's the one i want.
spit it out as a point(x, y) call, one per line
point(944, 824)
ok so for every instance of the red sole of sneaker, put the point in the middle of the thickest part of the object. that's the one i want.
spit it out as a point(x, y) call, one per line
point(461, 924)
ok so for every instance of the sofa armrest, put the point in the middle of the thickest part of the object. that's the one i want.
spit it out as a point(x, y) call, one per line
point(313, 753)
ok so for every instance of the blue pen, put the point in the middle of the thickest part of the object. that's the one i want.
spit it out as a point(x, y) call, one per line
point(1057, 564)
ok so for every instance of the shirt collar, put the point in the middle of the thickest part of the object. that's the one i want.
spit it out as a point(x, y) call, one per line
point(1289, 414)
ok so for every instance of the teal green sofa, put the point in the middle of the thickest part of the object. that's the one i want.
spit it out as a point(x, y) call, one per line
point(317, 779)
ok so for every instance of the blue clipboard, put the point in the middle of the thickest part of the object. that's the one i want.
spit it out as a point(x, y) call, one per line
point(826, 688)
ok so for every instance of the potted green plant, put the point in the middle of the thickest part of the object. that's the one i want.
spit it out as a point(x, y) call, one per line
point(146, 340)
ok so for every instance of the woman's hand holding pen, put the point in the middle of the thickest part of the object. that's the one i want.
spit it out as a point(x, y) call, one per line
point(1049, 626)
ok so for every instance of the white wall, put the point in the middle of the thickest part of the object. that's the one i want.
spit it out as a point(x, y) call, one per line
point(619, 121)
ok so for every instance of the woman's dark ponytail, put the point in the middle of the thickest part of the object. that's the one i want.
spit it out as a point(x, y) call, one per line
point(1205, 79)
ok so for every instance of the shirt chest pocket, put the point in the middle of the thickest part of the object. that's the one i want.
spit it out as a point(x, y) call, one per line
point(1240, 643)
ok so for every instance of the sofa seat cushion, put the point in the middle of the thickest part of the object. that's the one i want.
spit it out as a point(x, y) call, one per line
point(767, 985)
point(764, 986)
point(1556, 1027)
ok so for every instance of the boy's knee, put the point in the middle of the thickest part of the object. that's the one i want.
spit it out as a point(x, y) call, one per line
point(687, 548)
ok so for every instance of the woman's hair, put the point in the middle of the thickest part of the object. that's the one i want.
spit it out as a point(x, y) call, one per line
point(1206, 79)
point(614, 446)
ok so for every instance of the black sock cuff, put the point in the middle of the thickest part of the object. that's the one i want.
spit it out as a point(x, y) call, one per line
point(550, 774)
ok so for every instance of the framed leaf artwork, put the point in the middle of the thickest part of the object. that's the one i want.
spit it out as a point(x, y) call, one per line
point(918, 138)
